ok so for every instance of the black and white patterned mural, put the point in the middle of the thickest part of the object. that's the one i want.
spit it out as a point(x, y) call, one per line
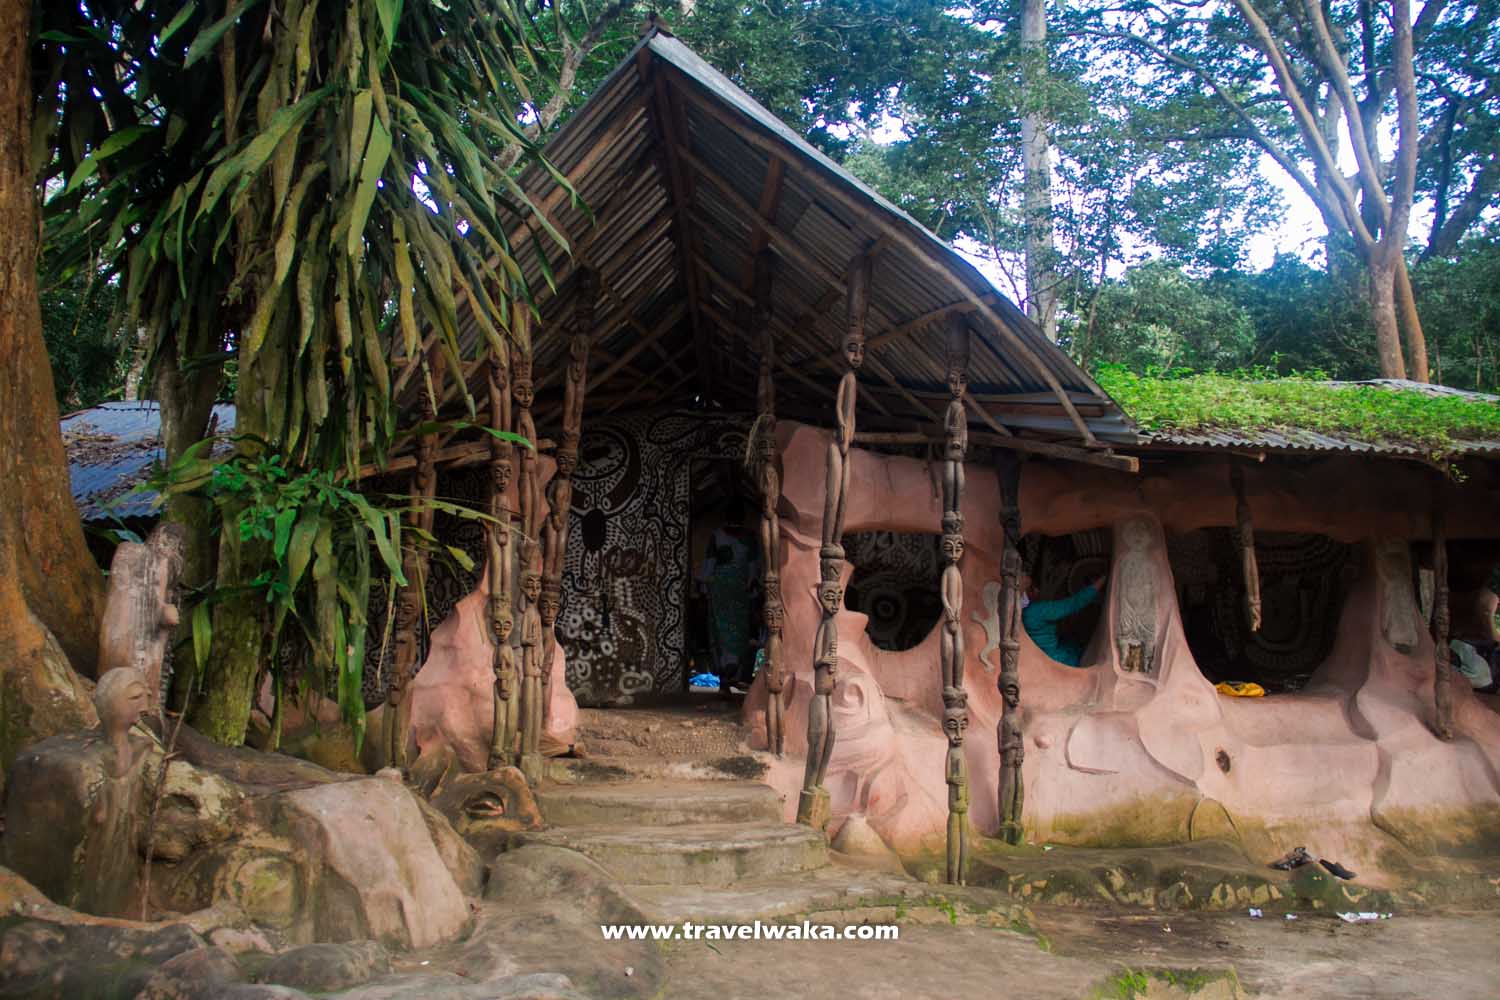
point(895, 583)
point(625, 577)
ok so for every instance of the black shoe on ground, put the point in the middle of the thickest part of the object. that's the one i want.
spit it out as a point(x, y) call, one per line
point(1335, 868)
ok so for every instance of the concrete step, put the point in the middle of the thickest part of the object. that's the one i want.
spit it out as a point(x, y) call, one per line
point(834, 889)
point(703, 854)
point(659, 803)
point(606, 769)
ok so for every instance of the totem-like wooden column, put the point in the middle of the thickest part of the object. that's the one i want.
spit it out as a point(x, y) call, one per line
point(560, 490)
point(503, 733)
point(531, 579)
point(768, 480)
point(1442, 691)
point(406, 646)
point(1244, 538)
point(951, 646)
point(812, 805)
point(1009, 736)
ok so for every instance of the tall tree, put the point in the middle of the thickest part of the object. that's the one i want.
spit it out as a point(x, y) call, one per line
point(49, 585)
point(1036, 197)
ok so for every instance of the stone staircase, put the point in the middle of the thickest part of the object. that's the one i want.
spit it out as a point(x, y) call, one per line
point(679, 833)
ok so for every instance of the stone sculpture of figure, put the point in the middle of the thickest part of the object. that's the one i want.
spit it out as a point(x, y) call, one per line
point(955, 723)
point(1398, 605)
point(141, 610)
point(121, 697)
point(503, 733)
point(531, 669)
point(1012, 756)
point(1135, 633)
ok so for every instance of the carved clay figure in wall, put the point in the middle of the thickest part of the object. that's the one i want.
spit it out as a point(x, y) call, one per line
point(531, 668)
point(1135, 633)
point(121, 698)
point(111, 849)
point(989, 620)
point(141, 610)
point(1398, 604)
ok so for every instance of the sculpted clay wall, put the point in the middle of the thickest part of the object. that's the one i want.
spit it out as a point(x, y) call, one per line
point(1115, 755)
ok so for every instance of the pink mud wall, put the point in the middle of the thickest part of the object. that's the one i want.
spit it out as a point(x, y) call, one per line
point(451, 697)
point(1348, 767)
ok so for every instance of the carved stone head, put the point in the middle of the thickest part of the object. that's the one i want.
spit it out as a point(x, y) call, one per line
point(953, 548)
point(121, 698)
point(830, 597)
point(854, 349)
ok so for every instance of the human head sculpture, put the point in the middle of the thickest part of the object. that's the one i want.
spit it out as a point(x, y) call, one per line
point(765, 448)
point(830, 596)
point(578, 352)
point(520, 383)
point(408, 601)
point(531, 585)
point(168, 541)
point(502, 619)
point(958, 381)
point(502, 470)
point(953, 548)
point(1010, 690)
point(550, 601)
point(955, 719)
point(775, 614)
point(854, 349)
point(121, 698)
point(567, 460)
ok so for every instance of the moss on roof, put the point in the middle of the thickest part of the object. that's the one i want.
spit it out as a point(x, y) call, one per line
point(1257, 400)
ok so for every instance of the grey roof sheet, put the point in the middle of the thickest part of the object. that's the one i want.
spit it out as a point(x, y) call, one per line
point(112, 447)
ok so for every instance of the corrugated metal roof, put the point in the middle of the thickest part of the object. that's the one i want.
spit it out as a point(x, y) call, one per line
point(1297, 439)
point(112, 447)
point(671, 162)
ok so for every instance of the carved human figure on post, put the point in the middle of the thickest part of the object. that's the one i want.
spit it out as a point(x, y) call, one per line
point(820, 735)
point(503, 733)
point(775, 619)
point(121, 698)
point(1012, 756)
point(951, 645)
point(955, 724)
point(531, 667)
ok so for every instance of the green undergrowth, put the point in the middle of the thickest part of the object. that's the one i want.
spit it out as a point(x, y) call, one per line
point(1259, 400)
point(1133, 984)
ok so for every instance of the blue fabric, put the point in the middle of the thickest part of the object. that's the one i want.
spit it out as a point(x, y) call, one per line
point(1041, 618)
point(704, 681)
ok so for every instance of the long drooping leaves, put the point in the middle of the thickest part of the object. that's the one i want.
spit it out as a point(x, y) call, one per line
point(306, 179)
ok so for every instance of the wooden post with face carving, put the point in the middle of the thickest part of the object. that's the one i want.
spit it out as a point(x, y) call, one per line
point(768, 479)
point(951, 645)
point(406, 645)
point(1010, 739)
point(528, 501)
point(560, 490)
point(1442, 691)
point(497, 544)
point(1245, 540)
point(812, 806)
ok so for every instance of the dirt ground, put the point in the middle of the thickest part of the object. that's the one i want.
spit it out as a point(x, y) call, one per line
point(1082, 954)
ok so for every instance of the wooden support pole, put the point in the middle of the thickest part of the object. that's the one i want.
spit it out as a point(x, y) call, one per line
point(813, 804)
point(1442, 680)
point(1244, 537)
point(529, 615)
point(951, 596)
point(507, 694)
point(767, 461)
point(1009, 738)
point(560, 490)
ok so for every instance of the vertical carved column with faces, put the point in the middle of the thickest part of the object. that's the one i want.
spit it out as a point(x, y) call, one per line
point(951, 646)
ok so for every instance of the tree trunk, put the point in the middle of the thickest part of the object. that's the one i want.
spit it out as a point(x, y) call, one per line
point(1411, 323)
point(1382, 278)
point(222, 711)
point(50, 588)
point(1041, 250)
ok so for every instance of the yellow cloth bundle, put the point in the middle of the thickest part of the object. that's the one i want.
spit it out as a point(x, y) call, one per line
point(1240, 689)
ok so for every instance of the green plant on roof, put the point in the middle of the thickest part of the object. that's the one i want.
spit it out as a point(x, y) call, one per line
point(1257, 400)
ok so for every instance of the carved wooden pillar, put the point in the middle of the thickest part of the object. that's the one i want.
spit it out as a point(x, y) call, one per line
point(812, 806)
point(1010, 738)
point(1442, 691)
point(951, 646)
point(528, 613)
point(560, 491)
point(497, 544)
point(768, 479)
point(406, 647)
point(1245, 541)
